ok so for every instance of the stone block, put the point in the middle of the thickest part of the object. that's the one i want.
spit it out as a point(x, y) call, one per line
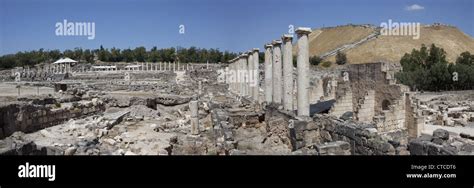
point(441, 134)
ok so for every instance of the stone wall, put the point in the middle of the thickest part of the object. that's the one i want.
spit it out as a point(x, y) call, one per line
point(415, 122)
point(343, 102)
point(376, 96)
point(307, 136)
point(26, 117)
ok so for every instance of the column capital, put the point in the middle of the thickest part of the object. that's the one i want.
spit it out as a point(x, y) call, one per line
point(303, 30)
point(255, 49)
point(249, 52)
point(286, 37)
point(244, 55)
point(266, 46)
point(276, 42)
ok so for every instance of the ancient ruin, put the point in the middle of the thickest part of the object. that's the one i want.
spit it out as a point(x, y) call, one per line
point(170, 108)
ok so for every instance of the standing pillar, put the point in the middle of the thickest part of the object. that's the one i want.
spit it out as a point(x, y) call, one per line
point(193, 107)
point(268, 74)
point(234, 76)
point(287, 72)
point(231, 70)
point(243, 72)
point(237, 76)
point(248, 71)
point(255, 75)
point(174, 66)
point(277, 72)
point(303, 71)
point(199, 88)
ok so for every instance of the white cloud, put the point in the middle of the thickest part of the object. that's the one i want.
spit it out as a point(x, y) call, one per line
point(414, 7)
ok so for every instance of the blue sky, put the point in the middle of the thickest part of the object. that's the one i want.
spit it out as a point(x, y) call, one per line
point(236, 25)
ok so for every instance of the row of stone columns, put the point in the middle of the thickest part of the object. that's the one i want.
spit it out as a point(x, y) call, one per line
point(242, 74)
point(279, 72)
point(53, 68)
point(156, 67)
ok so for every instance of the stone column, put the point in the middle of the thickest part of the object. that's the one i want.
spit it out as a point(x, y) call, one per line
point(193, 107)
point(237, 75)
point(243, 72)
point(268, 74)
point(287, 72)
point(255, 75)
point(228, 77)
point(303, 71)
point(174, 66)
point(199, 88)
point(277, 72)
point(234, 85)
point(232, 81)
point(248, 71)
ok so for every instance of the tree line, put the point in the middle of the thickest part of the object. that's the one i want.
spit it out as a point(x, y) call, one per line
point(139, 54)
point(428, 70)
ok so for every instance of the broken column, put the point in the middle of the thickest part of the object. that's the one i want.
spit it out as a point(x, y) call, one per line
point(193, 107)
point(268, 74)
point(287, 72)
point(303, 71)
point(199, 88)
point(255, 75)
point(277, 72)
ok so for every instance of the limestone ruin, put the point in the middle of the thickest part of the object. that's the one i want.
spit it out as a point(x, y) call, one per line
point(168, 108)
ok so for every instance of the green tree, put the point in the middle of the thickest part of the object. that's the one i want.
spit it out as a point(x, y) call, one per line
point(315, 60)
point(341, 58)
point(429, 70)
point(103, 54)
point(139, 54)
point(127, 55)
point(465, 58)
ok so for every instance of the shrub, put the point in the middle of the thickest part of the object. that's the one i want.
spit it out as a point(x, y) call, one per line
point(341, 58)
point(326, 64)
